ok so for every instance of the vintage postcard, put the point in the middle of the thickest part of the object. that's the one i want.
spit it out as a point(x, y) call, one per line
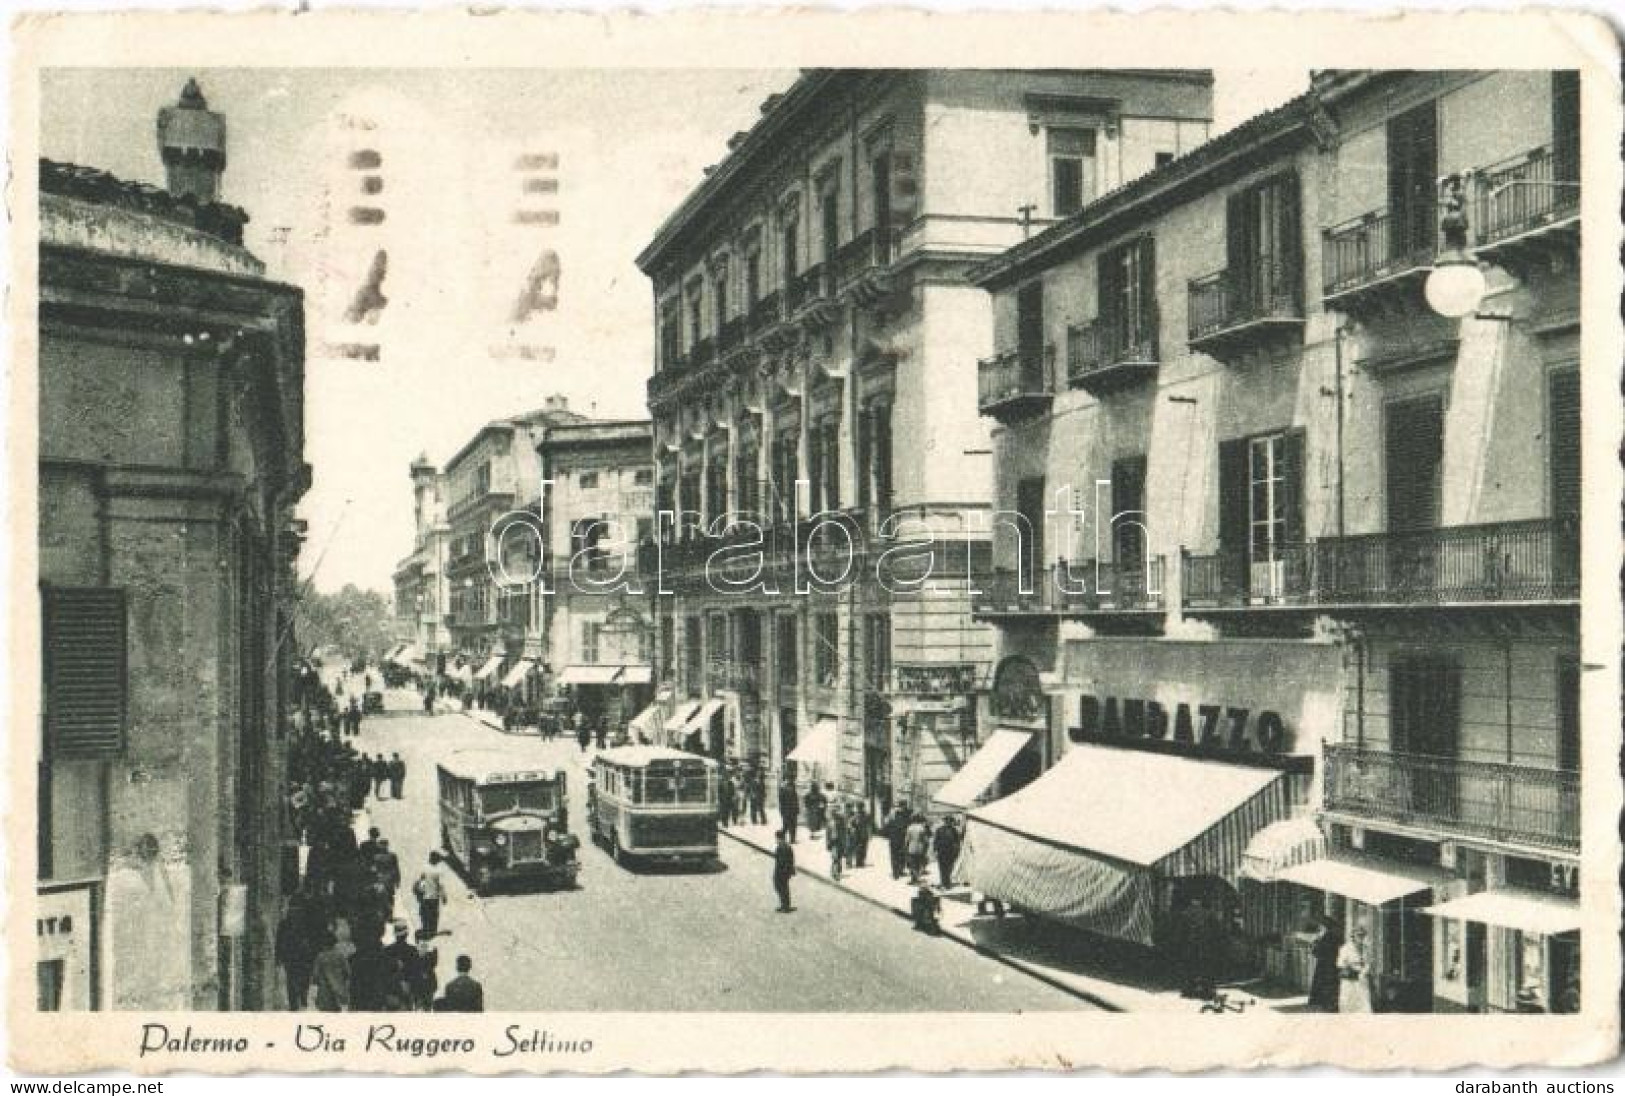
point(816, 542)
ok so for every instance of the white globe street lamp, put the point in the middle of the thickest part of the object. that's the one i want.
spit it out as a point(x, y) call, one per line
point(1455, 287)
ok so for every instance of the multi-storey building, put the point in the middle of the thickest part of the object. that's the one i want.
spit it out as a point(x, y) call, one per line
point(1294, 561)
point(171, 453)
point(816, 352)
point(421, 592)
point(597, 506)
point(493, 481)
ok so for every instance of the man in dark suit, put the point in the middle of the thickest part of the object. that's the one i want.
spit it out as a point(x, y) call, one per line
point(463, 993)
point(789, 809)
point(784, 869)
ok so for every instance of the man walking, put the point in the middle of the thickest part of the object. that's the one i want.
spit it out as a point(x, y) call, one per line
point(397, 775)
point(859, 830)
point(296, 947)
point(756, 796)
point(895, 832)
point(789, 809)
point(784, 869)
point(916, 847)
point(430, 891)
point(725, 800)
point(946, 843)
point(379, 774)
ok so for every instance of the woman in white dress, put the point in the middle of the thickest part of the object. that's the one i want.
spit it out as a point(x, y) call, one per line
point(1354, 975)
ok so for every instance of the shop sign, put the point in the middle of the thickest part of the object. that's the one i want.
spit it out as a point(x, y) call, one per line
point(1208, 726)
point(65, 935)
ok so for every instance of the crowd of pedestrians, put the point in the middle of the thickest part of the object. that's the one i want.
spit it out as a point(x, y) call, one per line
point(339, 944)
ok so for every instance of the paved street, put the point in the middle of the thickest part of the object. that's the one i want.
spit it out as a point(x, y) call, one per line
point(662, 941)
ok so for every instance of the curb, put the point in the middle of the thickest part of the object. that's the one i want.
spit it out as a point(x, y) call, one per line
point(1030, 971)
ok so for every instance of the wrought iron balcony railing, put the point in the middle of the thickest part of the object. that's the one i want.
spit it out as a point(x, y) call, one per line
point(1013, 382)
point(766, 312)
point(1075, 587)
point(1107, 350)
point(1505, 802)
point(1376, 246)
point(1537, 560)
point(1227, 300)
point(868, 250)
point(702, 352)
point(810, 285)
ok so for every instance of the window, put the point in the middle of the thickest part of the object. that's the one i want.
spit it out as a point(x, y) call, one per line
point(716, 482)
point(753, 278)
point(86, 671)
point(830, 222)
point(1413, 449)
point(788, 244)
point(1030, 327)
point(1128, 513)
point(1262, 246)
point(643, 477)
point(696, 323)
point(745, 472)
point(827, 443)
point(671, 337)
point(1424, 706)
point(1072, 169)
point(1126, 290)
point(692, 640)
point(1568, 712)
point(877, 644)
point(1260, 509)
point(719, 294)
point(1413, 180)
point(1030, 524)
point(880, 184)
point(787, 650)
point(786, 469)
point(482, 479)
point(585, 537)
point(717, 638)
point(1565, 128)
point(588, 481)
point(827, 648)
point(1563, 434)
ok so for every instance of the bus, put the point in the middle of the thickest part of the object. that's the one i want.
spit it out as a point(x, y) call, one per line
point(502, 820)
point(652, 803)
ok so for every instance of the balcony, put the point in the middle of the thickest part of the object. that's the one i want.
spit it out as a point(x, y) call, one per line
point(1526, 210)
point(1515, 562)
point(740, 675)
point(1451, 797)
point(702, 353)
point(1236, 313)
point(1014, 385)
point(1080, 588)
point(1374, 261)
point(732, 335)
point(861, 266)
point(767, 321)
point(1102, 358)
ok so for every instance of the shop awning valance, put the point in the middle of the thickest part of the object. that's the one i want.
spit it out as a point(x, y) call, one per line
point(395, 652)
point(1513, 908)
point(820, 749)
point(1364, 878)
point(520, 671)
point(590, 675)
point(636, 675)
point(1282, 845)
point(647, 723)
point(680, 716)
point(492, 665)
point(1086, 842)
point(984, 767)
point(701, 717)
point(463, 673)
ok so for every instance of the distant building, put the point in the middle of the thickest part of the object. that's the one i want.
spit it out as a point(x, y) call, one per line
point(421, 592)
point(596, 510)
point(815, 326)
point(171, 453)
point(1295, 570)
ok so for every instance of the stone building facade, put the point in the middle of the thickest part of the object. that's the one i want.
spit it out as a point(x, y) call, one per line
point(1274, 479)
point(171, 379)
point(816, 341)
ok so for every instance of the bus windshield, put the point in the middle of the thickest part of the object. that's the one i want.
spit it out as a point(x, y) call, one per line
point(501, 798)
point(676, 784)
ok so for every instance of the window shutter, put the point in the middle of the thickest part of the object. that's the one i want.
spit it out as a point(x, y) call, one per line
point(1238, 253)
point(1414, 445)
point(905, 187)
point(1565, 127)
point(1287, 281)
point(86, 671)
point(1128, 510)
point(1292, 466)
point(1108, 302)
point(1233, 487)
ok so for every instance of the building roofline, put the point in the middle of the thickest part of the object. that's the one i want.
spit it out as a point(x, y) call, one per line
point(223, 222)
point(1190, 174)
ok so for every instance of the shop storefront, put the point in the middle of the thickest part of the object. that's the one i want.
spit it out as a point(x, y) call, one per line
point(1176, 757)
point(67, 968)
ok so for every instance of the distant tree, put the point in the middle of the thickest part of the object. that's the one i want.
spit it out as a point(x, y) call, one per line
point(358, 622)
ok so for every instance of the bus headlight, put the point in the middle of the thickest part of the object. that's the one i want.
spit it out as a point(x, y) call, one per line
point(501, 839)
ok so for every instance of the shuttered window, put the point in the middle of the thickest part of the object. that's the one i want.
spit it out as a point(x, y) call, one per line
point(1234, 501)
point(1262, 243)
point(1126, 284)
point(1128, 511)
point(1568, 712)
point(1030, 325)
point(1414, 451)
point(1566, 126)
point(1563, 432)
point(86, 671)
point(1413, 180)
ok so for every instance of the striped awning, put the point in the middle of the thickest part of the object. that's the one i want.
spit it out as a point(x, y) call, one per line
point(520, 671)
point(1086, 842)
point(985, 766)
point(1281, 845)
point(491, 666)
point(648, 723)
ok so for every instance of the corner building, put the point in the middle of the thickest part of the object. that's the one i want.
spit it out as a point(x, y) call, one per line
point(1275, 486)
point(814, 323)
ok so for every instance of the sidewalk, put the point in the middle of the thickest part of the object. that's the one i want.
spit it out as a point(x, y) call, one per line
point(1116, 981)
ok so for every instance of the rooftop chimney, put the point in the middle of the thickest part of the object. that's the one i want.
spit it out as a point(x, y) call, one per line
point(192, 142)
point(556, 403)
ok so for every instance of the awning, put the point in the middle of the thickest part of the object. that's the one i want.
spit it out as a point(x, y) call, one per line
point(521, 670)
point(636, 675)
point(394, 652)
point(410, 655)
point(1511, 908)
point(984, 767)
point(1367, 879)
point(821, 748)
point(647, 723)
point(491, 666)
point(1086, 842)
point(461, 673)
point(701, 718)
point(1281, 845)
point(590, 675)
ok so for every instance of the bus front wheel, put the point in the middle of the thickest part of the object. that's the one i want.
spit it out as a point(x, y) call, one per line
point(615, 847)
